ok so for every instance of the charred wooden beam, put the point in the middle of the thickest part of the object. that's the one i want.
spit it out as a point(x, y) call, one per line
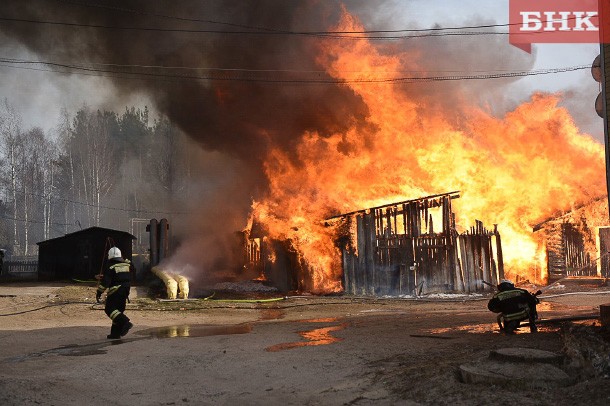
point(451, 195)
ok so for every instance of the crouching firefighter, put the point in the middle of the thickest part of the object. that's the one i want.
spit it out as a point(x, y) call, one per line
point(514, 305)
point(117, 278)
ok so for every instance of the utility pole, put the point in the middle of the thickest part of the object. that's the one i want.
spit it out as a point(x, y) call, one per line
point(605, 85)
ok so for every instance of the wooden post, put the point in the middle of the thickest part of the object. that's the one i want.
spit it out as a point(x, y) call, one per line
point(500, 258)
point(361, 277)
point(348, 277)
point(605, 66)
point(369, 252)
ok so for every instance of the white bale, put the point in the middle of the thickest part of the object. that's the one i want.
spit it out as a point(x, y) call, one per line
point(183, 286)
point(170, 283)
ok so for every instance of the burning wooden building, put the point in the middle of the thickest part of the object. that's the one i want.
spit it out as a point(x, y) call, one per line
point(273, 261)
point(405, 248)
point(577, 243)
point(413, 247)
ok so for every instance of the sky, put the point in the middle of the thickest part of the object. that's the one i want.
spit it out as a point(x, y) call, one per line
point(40, 96)
point(578, 87)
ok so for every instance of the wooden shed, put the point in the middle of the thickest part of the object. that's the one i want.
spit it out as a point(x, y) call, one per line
point(80, 255)
point(577, 243)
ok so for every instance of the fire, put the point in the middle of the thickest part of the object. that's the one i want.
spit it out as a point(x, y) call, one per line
point(512, 171)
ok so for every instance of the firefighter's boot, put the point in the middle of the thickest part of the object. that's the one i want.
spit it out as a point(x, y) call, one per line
point(124, 324)
point(115, 332)
point(533, 318)
point(511, 326)
point(126, 328)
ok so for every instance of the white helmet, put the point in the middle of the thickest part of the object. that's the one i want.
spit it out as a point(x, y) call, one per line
point(114, 252)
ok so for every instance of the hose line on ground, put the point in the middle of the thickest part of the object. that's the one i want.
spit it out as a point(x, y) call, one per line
point(276, 299)
point(44, 307)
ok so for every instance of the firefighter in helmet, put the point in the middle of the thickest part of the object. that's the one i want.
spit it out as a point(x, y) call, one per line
point(514, 305)
point(117, 278)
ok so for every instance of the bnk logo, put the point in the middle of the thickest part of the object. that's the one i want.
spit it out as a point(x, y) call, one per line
point(557, 21)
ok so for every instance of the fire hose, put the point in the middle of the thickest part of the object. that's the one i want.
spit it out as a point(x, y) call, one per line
point(275, 299)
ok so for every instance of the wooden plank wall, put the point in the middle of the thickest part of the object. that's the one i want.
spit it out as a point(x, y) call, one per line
point(577, 259)
point(481, 258)
point(400, 251)
point(604, 249)
point(556, 260)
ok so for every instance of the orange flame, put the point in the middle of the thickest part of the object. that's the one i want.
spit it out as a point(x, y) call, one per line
point(512, 171)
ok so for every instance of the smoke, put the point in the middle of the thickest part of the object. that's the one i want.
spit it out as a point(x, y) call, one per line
point(240, 117)
point(236, 118)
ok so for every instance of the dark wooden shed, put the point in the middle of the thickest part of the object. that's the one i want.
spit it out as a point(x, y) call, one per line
point(80, 255)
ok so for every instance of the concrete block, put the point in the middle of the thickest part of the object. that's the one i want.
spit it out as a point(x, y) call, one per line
point(527, 355)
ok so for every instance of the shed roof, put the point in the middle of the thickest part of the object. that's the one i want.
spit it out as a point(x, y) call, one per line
point(88, 231)
point(568, 214)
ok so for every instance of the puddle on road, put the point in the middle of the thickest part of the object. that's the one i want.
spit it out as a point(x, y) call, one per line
point(99, 348)
point(483, 329)
point(194, 331)
point(318, 336)
point(473, 328)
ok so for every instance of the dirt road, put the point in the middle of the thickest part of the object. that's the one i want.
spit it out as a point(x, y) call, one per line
point(297, 351)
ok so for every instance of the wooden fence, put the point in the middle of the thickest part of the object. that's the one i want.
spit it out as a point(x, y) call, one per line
point(20, 269)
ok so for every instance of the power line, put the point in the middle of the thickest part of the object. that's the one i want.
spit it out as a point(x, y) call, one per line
point(187, 19)
point(228, 78)
point(33, 221)
point(240, 70)
point(366, 34)
point(95, 205)
point(154, 29)
point(260, 28)
point(356, 34)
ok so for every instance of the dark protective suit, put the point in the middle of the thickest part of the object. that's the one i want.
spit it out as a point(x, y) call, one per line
point(117, 279)
point(514, 305)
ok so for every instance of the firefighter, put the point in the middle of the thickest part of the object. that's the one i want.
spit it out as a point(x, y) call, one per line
point(116, 279)
point(514, 305)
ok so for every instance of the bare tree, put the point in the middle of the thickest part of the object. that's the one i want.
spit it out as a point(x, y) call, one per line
point(10, 131)
point(66, 185)
point(94, 162)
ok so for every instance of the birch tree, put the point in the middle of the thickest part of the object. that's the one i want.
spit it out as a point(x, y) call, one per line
point(94, 160)
point(66, 185)
point(10, 131)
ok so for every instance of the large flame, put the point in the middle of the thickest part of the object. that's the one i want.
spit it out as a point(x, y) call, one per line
point(512, 171)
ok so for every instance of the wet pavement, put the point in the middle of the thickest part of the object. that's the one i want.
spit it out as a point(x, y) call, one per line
point(194, 331)
point(301, 351)
point(314, 337)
